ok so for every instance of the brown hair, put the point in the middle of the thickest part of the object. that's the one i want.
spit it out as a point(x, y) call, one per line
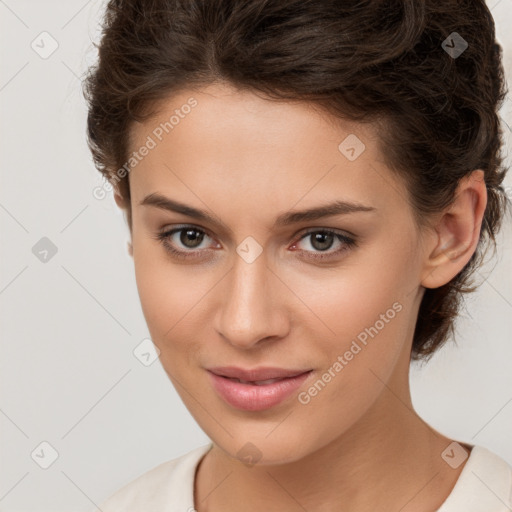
point(390, 63)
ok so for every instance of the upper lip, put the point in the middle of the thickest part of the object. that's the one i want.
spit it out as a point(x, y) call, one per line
point(255, 374)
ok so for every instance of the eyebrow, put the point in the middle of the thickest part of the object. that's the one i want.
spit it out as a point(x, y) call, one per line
point(285, 219)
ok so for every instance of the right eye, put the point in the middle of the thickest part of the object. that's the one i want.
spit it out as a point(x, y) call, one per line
point(189, 237)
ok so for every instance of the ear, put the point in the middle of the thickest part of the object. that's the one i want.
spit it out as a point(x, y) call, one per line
point(119, 198)
point(456, 232)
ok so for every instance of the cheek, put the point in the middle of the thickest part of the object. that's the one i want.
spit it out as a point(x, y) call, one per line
point(351, 300)
point(173, 298)
point(370, 333)
point(164, 291)
point(363, 314)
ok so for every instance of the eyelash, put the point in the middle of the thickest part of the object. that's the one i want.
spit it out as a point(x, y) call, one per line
point(164, 236)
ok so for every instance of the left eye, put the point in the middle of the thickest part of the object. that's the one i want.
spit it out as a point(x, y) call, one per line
point(323, 239)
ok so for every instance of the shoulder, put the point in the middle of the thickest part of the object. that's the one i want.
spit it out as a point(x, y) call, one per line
point(165, 487)
point(484, 484)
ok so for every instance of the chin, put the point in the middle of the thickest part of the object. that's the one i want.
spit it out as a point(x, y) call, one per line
point(262, 449)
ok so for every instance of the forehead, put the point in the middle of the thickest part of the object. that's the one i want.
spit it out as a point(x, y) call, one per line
point(220, 109)
point(220, 140)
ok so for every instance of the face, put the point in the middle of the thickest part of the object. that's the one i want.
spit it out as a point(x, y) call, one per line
point(328, 302)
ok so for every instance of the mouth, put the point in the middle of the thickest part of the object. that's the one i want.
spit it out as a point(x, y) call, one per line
point(256, 390)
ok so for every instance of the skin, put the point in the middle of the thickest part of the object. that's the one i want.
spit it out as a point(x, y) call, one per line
point(247, 160)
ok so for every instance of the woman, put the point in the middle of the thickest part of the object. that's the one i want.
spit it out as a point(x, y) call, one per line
point(309, 187)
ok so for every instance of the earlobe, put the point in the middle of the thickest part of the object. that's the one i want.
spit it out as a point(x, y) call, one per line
point(435, 270)
point(130, 248)
point(458, 232)
point(445, 263)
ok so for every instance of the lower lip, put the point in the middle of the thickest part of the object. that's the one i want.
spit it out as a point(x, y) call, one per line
point(250, 397)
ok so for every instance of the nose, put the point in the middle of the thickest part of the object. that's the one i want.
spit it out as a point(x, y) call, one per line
point(253, 308)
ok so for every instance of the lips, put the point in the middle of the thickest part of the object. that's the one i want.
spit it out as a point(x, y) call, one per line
point(258, 389)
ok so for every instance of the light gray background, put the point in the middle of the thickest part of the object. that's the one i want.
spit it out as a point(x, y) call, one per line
point(69, 326)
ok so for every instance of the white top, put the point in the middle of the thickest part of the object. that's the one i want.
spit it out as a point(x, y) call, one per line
point(484, 485)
